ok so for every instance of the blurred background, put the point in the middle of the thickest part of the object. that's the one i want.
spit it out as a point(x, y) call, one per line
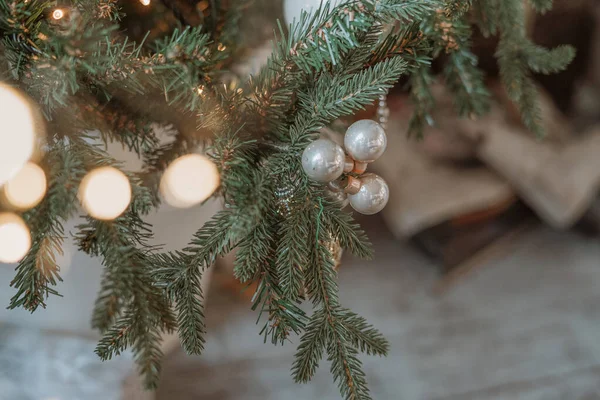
point(487, 271)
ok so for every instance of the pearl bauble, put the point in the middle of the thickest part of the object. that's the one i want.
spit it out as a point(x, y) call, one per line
point(323, 160)
point(373, 195)
point(365, 140)
point(292, 9)
point(339, 197)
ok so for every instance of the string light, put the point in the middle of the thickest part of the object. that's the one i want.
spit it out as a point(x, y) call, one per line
point(58, 14)
point(15, 239)
point(145, 2)
point(26, 189)
point(105, 193)
point(189, 181)
point(17, 133)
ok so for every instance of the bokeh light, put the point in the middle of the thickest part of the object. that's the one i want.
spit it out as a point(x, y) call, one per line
point(105, 193)
point(27, 188)
point(189, 181)
point(17, 132)
point(15, 239)
point(58, 14)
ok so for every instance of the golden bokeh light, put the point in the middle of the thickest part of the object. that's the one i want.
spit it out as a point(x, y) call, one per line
point(58, 14)
point(15, 239)
point(105, 193)
point(26, 189)
point(17, 132)
point(189, 181)
point(145, 2)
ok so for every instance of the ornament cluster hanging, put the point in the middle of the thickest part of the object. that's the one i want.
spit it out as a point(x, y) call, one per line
point(344, 171)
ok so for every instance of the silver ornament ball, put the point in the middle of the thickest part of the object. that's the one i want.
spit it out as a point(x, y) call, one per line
point(365, 140)
point(373, 195)
point(323, 160)
point(339, 197)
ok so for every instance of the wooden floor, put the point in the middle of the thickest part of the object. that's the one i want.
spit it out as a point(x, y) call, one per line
point(523, 327)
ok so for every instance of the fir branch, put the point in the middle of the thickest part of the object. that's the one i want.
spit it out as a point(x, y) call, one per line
point(252, 252)
point(325, 35)
point(344, 229)
point(346, 368)
point(311, 348)
point(180, 275)
point(140, 334)
point(517, 56)
point(187, 295)
point(145, 311)
point(284, 314)
point(293, 252)
point(422, 99)
point(408, 10)
point(541, 6)
point(457, 8)
point(116, 123)
point(334, 96)
point(184, 63)
point(38, 272)
point(320, 276)
point(466, 83)
point(544, 61)
point(216, 238)
point(362, 335)
point(486, 16)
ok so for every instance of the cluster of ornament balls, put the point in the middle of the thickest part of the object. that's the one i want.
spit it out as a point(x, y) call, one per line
point(344, 171)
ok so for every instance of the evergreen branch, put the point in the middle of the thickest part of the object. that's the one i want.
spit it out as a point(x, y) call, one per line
point(516, 62)
point(466, 82)
point(185, 63)
point(325, 35)
point(346, 368)
point(334, 96)
point(408, 10)
point(253, 251)
point(310, 350)
point(486, 16)
point(320, 275)
point(209, 242)
point(143, 336)
point(187, 295)
point(362, 335)
point(344, 229)
point(284, 315)
point(180, 275)
point(457, 8)
point(117, 124)
point(145, 311)
point(38, 271)
point(541, 5)
point(292, 253)
point(214, 239)
point(422, 100)
point(544, 61)
point(108, 305)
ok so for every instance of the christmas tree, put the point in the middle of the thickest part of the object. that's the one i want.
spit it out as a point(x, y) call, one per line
point(71, 68)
